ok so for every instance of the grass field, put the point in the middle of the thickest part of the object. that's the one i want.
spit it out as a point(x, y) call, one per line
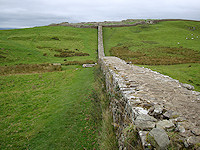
point(42, 44)
point(170, 47)
point(45, 106)
point(60, 109)
point(47, 110)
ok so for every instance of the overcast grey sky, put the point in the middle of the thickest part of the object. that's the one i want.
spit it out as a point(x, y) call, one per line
point(28, 13)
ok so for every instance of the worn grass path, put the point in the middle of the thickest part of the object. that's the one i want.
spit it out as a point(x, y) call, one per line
point(47, 111)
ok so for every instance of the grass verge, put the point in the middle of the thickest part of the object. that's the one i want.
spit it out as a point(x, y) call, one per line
point(102, 115)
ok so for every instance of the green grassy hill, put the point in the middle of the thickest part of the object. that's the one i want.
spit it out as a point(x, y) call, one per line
point(42, 44)
point(47, 110)
point(45, 107)
point(170, 47)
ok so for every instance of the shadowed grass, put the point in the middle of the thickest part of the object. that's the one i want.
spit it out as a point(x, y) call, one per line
point(102, 114)
point(108, 137)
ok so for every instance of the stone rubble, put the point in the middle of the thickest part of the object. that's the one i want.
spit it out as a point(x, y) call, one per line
point(88, 65)
point(180, 128)
point(187, 86)
point(143, 137)
point(56, 64)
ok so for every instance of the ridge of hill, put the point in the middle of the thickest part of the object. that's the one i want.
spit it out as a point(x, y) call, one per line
point(123, 23)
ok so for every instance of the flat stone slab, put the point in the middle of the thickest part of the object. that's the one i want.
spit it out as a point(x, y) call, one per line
point(56, 64)
point(145, 122)
point(159, 139)
point(165, 124)
point(146, 118)
point(170, 114)
point(88, 65)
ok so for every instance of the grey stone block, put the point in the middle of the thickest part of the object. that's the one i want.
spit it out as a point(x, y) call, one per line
point(165, 124)
point(145, 122)
point(159, 139)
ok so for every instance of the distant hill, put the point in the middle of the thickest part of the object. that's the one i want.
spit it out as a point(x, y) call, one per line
point(7, 28)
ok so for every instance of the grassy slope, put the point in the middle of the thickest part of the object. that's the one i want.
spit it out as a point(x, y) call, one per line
point(46, 111)
point(49, 111)
point(28, 45)
point(163, 34)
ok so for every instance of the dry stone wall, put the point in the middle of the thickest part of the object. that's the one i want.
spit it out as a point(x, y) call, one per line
point(155, 106)
point(123, 23)
point(100, 43)
point(96, 26)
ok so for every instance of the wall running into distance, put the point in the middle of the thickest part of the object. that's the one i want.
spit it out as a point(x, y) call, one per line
point(149, 104)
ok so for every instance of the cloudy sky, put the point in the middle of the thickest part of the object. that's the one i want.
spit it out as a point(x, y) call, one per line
point(29, 13)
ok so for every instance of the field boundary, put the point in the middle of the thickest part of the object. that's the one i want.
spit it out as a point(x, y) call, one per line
point(143, 105)
point(117, 25)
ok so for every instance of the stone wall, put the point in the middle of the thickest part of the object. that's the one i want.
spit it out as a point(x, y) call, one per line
point(96, 26)
point(113, 23)
point(125, 25)
point(100, 43)
point(162, 111)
